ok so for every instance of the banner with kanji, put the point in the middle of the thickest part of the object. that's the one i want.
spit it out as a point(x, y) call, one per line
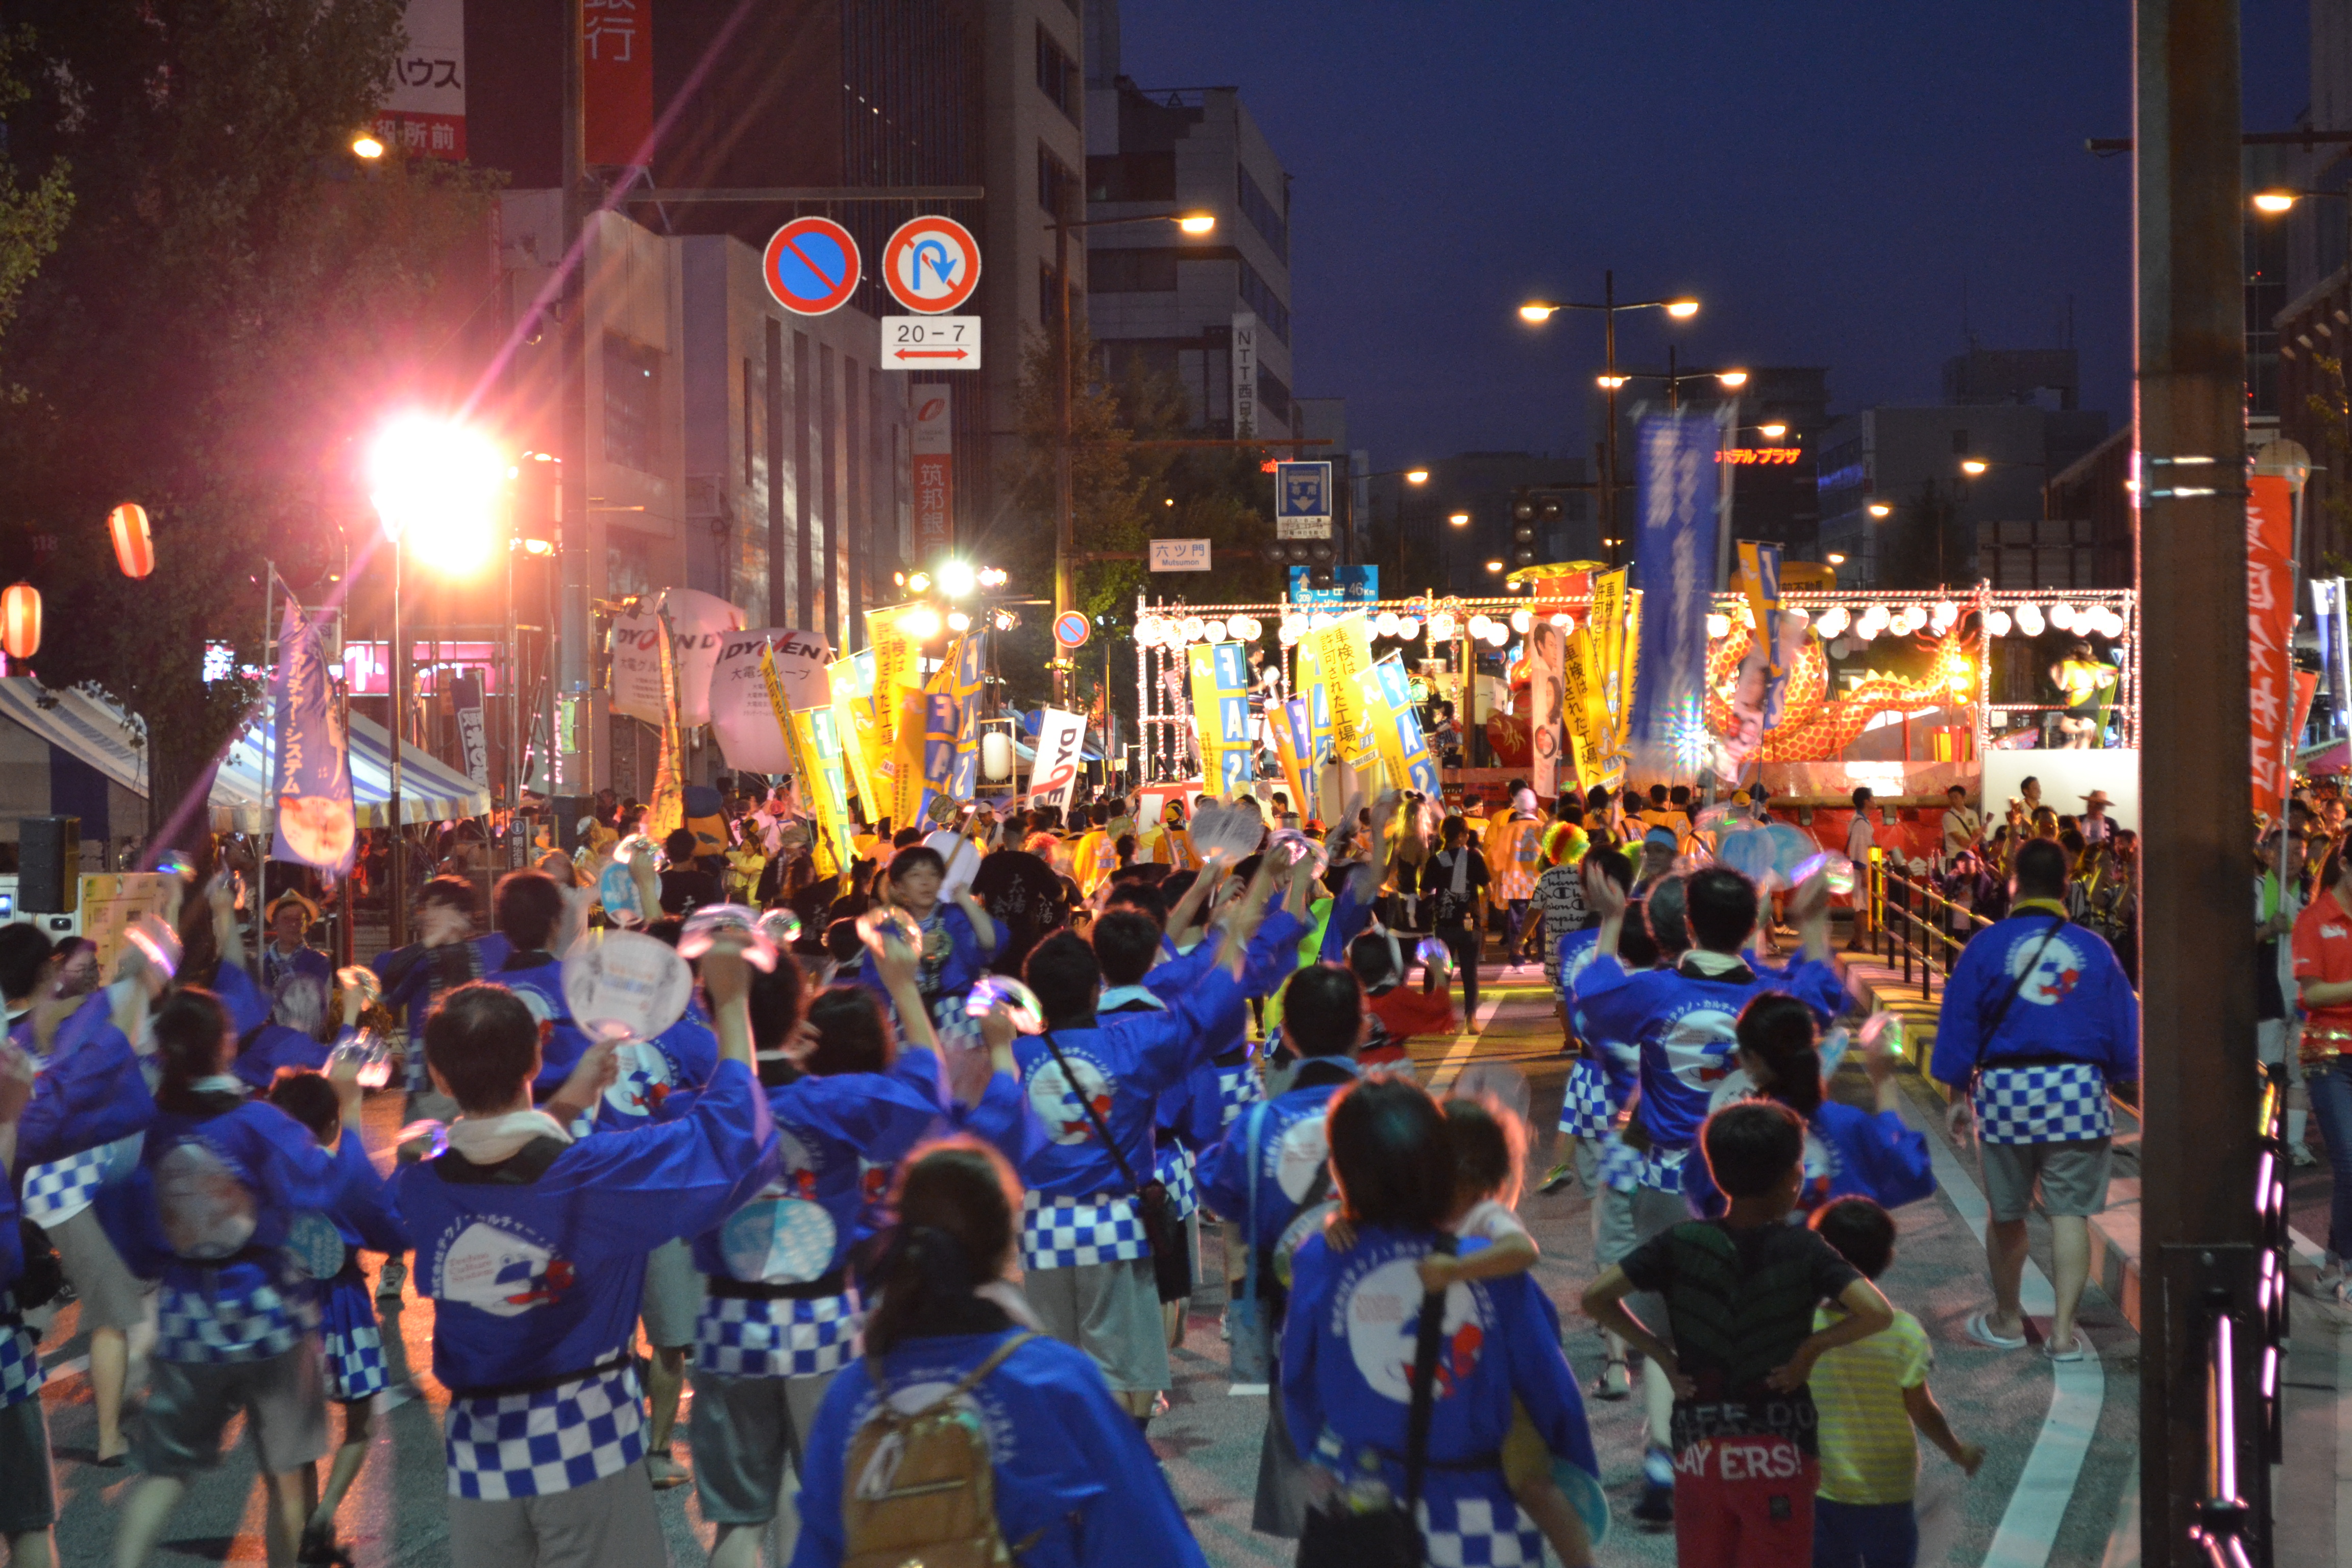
point(852, 682)
point(2270, 635)
point(1387, 694)
point(312, 770)
point(1343, 649)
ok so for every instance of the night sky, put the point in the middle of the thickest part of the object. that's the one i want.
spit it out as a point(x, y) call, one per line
point(1849, 184)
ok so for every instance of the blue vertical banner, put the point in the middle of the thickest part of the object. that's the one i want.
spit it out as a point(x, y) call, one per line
point(312, 782)
point(1675, 558)
point(971, 663)
point(1419, 769)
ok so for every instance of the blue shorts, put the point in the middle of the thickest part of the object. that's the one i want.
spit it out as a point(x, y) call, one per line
point(1865, 1536)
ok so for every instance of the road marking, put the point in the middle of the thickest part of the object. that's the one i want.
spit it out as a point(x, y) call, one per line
point(2028, 1532)
point(1247, 1390)
point(1464, 1047)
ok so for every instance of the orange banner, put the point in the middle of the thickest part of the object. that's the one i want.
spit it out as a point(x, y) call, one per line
point(2270, 635)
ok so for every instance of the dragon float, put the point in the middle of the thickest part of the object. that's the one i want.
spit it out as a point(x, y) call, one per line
point(1815, 728)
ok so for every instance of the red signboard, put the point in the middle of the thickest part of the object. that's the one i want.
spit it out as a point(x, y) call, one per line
point(616, 80)
point(2270, 633)
point(933, 457)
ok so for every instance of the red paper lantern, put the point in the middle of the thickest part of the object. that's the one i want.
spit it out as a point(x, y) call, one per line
point(134, 544)
point(20, 620)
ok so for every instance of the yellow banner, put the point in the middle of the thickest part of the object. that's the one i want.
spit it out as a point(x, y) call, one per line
point(1608, 619)
point(1629, 656)
point(1760, 603)
point(1584, 705)
point(1319, 706)
point(1342, 650)
point(908, 707)
point(862, 747)
point(666, 812)
point(816, 742)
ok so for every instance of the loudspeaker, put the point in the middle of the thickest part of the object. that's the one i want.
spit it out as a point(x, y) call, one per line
point(48, 865)
point(567, 810)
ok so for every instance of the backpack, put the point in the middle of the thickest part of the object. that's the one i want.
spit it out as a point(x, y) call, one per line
point(919, 1487)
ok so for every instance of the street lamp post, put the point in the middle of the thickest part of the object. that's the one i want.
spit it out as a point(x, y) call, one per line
point(1976, 468)
point(1537, 311)
point(443, 479)
point(1065, 593)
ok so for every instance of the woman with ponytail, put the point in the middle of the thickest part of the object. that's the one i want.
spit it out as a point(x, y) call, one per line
point(1849, 1151)
point(783, 1299)
point(1075, 1484)
point(209, 1212)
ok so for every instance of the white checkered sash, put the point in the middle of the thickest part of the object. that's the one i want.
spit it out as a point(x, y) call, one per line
point(546, 1441)
point(1069, 1233)
point(2053, 1102)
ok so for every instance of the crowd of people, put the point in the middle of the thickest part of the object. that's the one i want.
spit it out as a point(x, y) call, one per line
point(921, 1242)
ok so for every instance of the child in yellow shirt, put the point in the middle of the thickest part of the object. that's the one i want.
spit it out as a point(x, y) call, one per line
point(1872, 1395)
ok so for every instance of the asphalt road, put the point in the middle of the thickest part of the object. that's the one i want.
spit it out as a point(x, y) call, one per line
point(1209, 1439)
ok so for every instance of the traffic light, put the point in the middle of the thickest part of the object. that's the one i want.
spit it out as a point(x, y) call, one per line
point(1320, 577)
point(1532, 513)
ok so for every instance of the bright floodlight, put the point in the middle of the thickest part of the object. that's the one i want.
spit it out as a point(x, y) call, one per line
point(1536, 311)
point(1973, 466)
point(1416, 476)
point(1682, 310)
point(957, 578)
point(1733, 379)
point(1611, 381)
point(1836, 560)
point(438, 485)
point(365, 145)
point(1198, 223)
point(921, 623)
point(1494, 566)
point(1773, 431)
point(2274, 202)
point(1880, 509)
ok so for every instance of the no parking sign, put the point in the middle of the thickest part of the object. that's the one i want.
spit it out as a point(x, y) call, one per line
point(810, 266)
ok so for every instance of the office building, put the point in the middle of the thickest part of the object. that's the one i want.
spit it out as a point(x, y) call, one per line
point(1213, 313)
point(1899, 508)
point(1414, 534)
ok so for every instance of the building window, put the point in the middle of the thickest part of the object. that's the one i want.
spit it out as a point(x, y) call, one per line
point(1273, 396)
point(1132, 177)
point(1261, 299)
point(1132, 271)
point(1057, 75)
point(1263, 216)
point(1057, 187)
point(632, 404)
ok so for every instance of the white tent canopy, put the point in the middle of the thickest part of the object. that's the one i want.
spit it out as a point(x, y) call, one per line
point(430, 790)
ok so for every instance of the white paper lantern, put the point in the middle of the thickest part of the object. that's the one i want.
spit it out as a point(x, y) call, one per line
point(1478, 625)
point(2062, 615)
point(1840, 649)
point(1194, 628)
point(1718, 627)
point(1520, 622)
point(1946, 612)
point(2029, 619)
point(1408, 627)
point(1869, 626)
point(1290, 631)
point(1441, 627)
point(1834, 620)
point(1321, 618)
point(1214, 631)
point(1497, 633)
point(1997, 623)
point(1384, 624)
point(1146, 631)
point(996, 755)
point(1245, 629)
point(1562, 622)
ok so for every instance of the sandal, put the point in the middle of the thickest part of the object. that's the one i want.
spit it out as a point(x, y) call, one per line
point(2051, 1352)
point(665, 1472)
point(1981, 1330)
point(1615, 1382)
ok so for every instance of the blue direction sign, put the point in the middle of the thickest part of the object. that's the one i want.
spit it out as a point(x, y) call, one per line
point(810, 266)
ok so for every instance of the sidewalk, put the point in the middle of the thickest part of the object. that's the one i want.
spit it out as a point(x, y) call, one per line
point(2114, 1235)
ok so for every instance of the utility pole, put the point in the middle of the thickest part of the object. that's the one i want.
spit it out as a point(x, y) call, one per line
point(571, 429)
point(2199, 1097)
point(1066, 592)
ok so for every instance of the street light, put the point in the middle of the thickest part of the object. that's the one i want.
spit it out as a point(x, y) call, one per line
point(1495, 566)
point(1065, 593)
point(1880, 510)
point(439, 483)
point(1416, 476)
point(1835, 559)
point(1460, 519)
point(1535, 312)
point(1773, 431)
point(366, 145)
point(1972, 466)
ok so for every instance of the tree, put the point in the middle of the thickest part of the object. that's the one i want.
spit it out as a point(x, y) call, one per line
point(1126, 492)
point(233, 301)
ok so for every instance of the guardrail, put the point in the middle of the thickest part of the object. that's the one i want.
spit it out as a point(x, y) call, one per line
point(1929, 921)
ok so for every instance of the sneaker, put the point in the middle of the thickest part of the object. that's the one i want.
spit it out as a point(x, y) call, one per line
point(1657, 1502)
point(2300, 1155)
point(388, 1282)
point(665, 1471)
point(1615, 1381)
point(1559, 1177)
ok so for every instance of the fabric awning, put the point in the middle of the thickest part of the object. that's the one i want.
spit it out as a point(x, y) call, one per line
point(89, 727)
point(430, 790)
